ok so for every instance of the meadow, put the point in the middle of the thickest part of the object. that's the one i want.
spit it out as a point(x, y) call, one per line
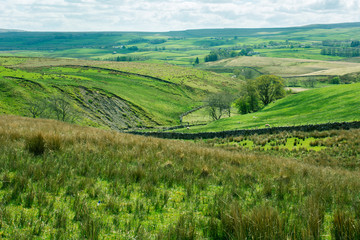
point(68, 182)
point(320, 105)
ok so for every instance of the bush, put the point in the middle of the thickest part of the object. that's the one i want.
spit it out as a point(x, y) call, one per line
point(335, 80)
point(36, 144)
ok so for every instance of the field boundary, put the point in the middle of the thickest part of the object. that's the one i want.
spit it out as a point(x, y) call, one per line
point(245, 132)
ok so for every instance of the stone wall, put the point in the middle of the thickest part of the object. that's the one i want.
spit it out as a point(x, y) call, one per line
point(244, 132)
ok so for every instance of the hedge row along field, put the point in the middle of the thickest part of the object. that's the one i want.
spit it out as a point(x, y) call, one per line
point(69, 182)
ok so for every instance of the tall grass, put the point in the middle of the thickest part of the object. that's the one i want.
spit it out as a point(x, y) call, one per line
point(100, 184)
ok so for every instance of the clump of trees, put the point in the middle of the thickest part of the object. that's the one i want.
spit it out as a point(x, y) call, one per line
point(223, 53)
point(254, 94)
point(57, 107)
point(260, 92)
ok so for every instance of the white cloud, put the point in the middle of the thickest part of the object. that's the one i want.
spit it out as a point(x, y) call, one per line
point(161, 15)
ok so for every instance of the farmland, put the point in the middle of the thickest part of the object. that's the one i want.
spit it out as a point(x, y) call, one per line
point(181, 47)
point(288, 67)
point(70, 170)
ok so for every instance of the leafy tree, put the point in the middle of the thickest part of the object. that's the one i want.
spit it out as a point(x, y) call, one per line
point(211, 57)
point(133, 48)
point(355, 43)
point(335, 80)
point(269, 88)
point(219, 104)
point(197, 61)
point(249, 100)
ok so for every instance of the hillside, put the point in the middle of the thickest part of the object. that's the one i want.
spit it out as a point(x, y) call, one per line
point(69, 182)
point(105, 94)
point(287, 67)
point(329, 104)
point(180, 47)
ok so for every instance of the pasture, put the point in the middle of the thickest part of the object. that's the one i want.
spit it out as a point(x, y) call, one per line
point(328, 104)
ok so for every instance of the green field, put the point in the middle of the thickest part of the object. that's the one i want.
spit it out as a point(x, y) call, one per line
point(329, 104)
point(181, 47)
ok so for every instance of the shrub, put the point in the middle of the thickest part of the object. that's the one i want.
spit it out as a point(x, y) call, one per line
point(36, 144)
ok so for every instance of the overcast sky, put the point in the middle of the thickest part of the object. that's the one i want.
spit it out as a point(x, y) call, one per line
point(165, 15)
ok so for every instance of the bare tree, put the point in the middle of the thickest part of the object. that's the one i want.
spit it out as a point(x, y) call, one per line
point(36, 107)
point(61, 108)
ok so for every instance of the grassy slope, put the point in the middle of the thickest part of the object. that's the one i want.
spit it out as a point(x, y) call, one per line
point(161, 101)
point(335, 103)
point(95, 184)
point(288, 66)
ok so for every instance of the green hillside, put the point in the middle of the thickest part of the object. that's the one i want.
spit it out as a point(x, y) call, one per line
point(180, 47)
point(111, 95)
point(328, 104)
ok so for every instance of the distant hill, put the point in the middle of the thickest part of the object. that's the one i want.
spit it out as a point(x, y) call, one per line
point(22, 40)
point(10, 30)
point(248, 32)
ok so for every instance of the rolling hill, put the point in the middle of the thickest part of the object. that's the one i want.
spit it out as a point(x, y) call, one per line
point(105, 94)
point(179, 47)
point(329, 104)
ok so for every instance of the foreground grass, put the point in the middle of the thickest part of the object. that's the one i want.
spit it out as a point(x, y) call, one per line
point(69, 182)
point(329, 104)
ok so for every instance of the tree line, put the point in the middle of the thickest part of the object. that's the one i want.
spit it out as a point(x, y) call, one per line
point(223, 53)
point(254, 95)
point(57, 107)
point(341, 51)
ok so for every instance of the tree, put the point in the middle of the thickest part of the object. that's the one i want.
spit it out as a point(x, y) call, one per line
point(269, 88)
point(219, 104)
point(197, 61)
point(335, 80)
point(310, 82)
point(36, 107)
point(61, 108)
point(249, 100)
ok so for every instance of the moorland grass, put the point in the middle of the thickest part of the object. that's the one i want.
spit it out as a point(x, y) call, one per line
point(100, 184)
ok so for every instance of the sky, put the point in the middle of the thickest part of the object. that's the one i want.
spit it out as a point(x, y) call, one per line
point(169, 15)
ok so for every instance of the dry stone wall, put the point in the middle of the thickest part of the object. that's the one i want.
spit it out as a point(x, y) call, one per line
point(245, 132)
